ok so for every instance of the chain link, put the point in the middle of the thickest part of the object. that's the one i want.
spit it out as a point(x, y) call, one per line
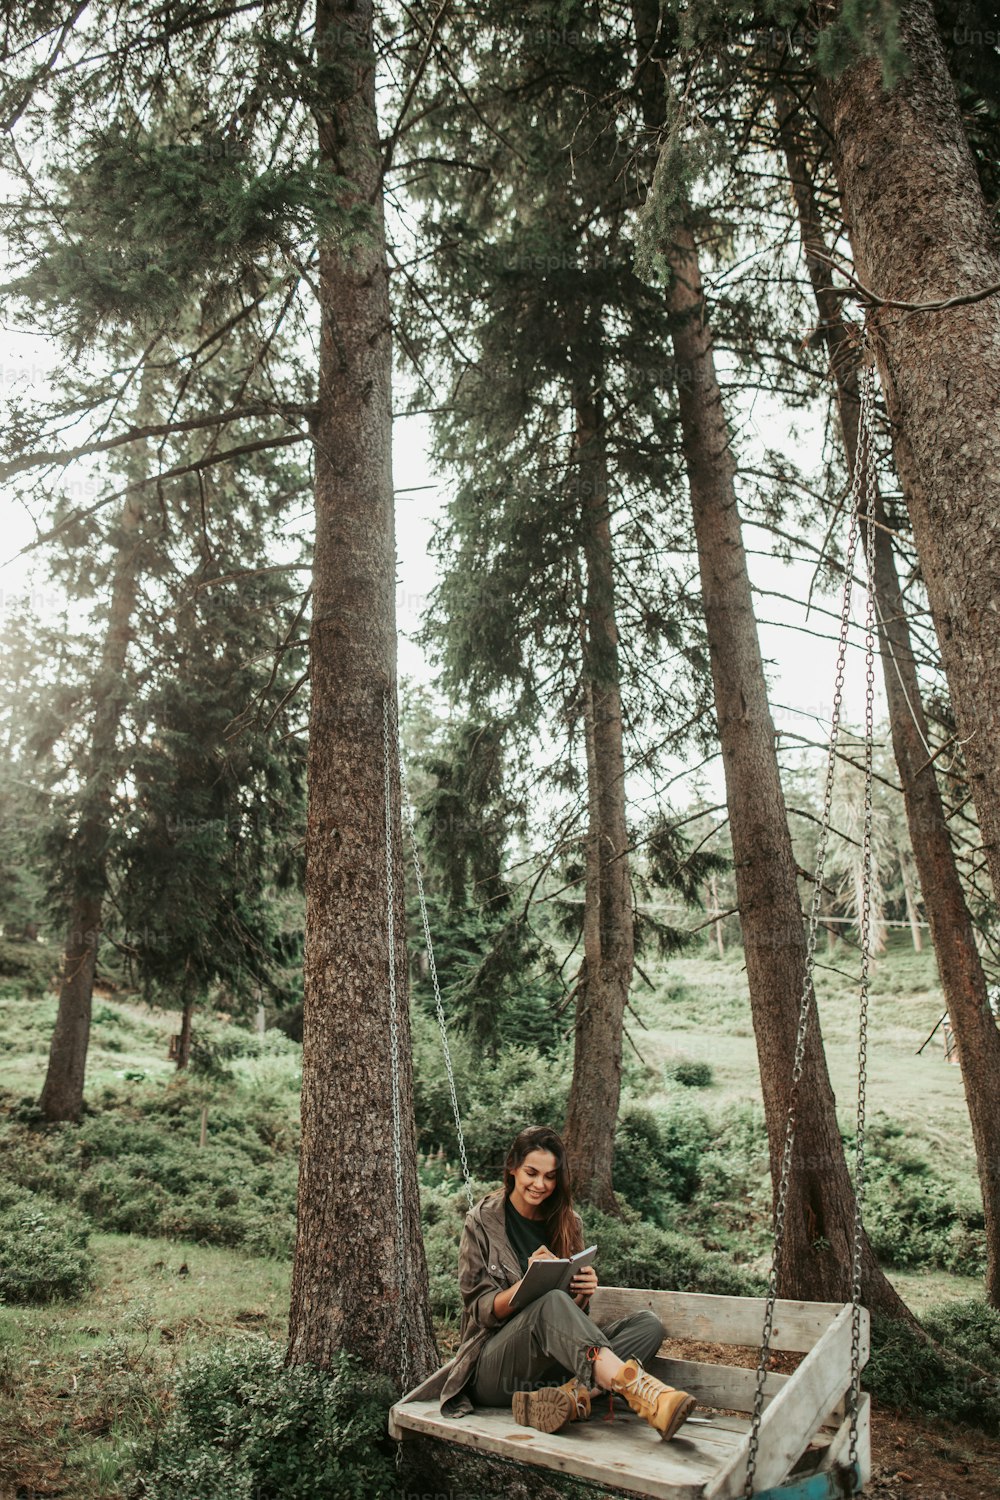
point(808, 999)
point(867, 458)
point(397, 1124)
point(432, 966)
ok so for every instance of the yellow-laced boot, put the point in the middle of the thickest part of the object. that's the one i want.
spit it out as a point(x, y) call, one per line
point(662, 1406)
point(552, 1407)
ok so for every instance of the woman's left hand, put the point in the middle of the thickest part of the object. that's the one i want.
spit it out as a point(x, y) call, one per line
point(583, 1285)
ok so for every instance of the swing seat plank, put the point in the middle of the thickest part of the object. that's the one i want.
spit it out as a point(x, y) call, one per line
point(804, 1434)
point(798, 1408)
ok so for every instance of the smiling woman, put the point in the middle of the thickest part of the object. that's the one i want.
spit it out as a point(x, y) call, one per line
point(547, 1359)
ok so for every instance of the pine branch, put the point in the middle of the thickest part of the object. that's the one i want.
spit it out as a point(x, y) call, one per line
point(60, 457)
point(872, 299)
point(81, 514)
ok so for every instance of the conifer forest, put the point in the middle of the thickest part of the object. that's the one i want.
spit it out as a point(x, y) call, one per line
point(500, 608)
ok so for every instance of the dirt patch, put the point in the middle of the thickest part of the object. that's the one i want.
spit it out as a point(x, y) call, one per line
point(783, 1361)
point(917, 1459)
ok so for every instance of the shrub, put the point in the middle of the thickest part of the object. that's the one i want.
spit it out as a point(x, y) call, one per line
point(43, 1249)
point(913, 1216)
point(496, 1099)
point(136, 1168)
point(731, 1207)
point(657, 1158)
point(970, 1328)
point(521, 1089)
point(689, 1073)
point(443, 1210)
point(247, 1427)
point(907, 1371)
point(212, 1047)
point(34, 965)
point(634, 1253)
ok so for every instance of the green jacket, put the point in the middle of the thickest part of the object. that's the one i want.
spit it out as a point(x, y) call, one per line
point(486, 1265)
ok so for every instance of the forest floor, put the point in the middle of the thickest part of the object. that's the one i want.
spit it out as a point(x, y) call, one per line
point(84, 1381)
point(926, 1460)
point(108, 1362)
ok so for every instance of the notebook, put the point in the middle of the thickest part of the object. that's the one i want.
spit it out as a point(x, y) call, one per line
point(550, 1276)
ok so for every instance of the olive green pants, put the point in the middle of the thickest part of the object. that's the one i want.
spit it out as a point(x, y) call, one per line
point(549, 1341)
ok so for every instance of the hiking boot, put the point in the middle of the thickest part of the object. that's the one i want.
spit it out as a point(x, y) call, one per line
point(552, 1407)
point(662, 1406)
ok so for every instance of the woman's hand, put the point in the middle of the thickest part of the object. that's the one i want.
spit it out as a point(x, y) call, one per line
point(583, 1285)
point(502, 1301)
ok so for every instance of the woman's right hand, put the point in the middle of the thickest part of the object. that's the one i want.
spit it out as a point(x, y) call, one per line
point(502, 1300)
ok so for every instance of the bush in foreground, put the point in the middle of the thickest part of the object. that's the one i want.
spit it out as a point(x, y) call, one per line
point(970, 1328)
point(907, 1372)
point(246, 1427)
point(43, 1249)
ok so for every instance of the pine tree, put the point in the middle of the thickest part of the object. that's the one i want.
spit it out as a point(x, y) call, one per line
point(359, 1279)
point(239, 163)
point(959, 964)
point(818, 1228)
point(553, 601)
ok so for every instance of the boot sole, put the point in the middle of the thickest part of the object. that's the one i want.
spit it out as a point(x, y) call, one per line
point(679, 1417)
point(546, 1410)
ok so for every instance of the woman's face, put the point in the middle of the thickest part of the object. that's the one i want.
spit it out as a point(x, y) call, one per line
point(534, 1181)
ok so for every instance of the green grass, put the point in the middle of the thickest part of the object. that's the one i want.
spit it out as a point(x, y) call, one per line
point(924, 1289)
point(701, 1011)
point(81, 1383)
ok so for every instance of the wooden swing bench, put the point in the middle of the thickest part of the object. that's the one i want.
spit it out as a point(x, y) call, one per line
point(804, 1439)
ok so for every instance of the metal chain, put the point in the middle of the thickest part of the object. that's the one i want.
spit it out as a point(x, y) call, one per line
point(866, 457)
point(432, 965)
point(808, 994)
point(397, 1126)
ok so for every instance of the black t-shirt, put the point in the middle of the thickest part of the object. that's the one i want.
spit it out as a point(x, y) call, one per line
point(525, 1235)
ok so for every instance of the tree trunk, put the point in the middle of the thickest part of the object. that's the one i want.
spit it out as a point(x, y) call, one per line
point(959, 966)
point(608, 928)
point(346, 1291)
point(920, 231)
point(816, 1257)
point(713, 886)
point(184, 1040)
point(816, 1254)
point(62, 1092)
point(910, 897)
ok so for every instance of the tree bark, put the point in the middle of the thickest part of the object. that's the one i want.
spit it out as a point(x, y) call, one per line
point(959, 966)
point(62, 1092)
point(815, 1260)
point(920, 231)
point(608, 926)
point(346, 1291)
point(816, 1253)
point(184, 1040)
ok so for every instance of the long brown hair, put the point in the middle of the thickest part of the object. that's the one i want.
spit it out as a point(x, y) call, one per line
point(564, 1236)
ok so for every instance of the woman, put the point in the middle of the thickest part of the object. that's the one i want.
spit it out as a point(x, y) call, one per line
point(550, 1358)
